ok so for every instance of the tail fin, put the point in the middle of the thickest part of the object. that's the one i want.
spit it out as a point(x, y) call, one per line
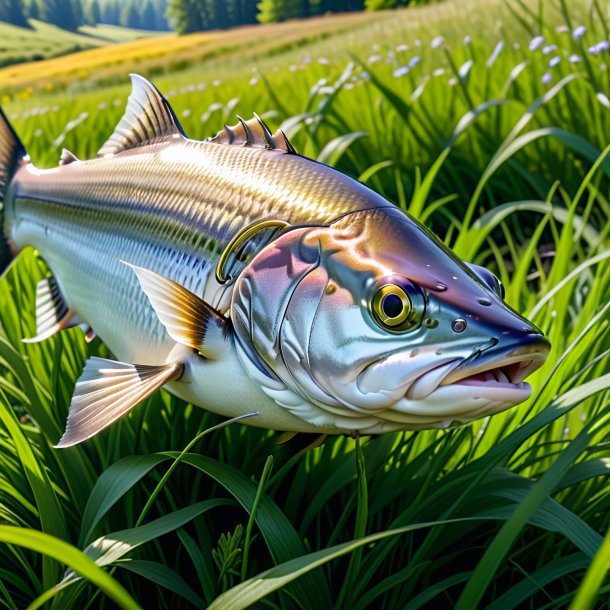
point(11, 154)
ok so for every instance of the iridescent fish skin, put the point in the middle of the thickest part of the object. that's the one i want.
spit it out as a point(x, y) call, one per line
point(302, 332)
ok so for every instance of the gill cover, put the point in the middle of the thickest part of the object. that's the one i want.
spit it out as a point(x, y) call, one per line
point(309, 307)
point(370, 319)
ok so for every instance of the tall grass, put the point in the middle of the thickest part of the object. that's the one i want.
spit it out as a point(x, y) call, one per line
point(172, 507)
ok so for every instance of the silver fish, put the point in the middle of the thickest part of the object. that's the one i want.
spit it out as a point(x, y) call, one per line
point(244, 277)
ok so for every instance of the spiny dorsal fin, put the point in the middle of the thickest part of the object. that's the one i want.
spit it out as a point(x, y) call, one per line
point(107, 390)
point(52, 312)
point(188, 319)
point(254, 133)
point(148, 117)
point(67, 157)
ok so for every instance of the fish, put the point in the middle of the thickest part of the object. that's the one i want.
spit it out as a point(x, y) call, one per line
point(243, 277)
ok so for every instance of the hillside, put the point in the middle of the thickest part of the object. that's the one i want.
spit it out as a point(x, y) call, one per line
point(238, 49)
point(45, 40)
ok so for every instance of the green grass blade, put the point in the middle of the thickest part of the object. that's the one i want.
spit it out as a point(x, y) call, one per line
point(501, 544)
point(65, 553)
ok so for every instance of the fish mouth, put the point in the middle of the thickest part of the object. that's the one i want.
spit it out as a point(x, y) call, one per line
point(493, 373)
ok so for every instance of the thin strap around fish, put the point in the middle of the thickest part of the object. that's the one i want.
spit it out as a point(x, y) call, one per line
point(240, 239)
point(107, 390)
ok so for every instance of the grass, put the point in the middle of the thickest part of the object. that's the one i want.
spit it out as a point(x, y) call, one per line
point(44, 40)
point(170, 53)
point(511, 169)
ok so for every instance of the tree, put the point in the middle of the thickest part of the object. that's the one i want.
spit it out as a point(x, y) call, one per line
point(218, 14)
point(187, 16)
point(13, 11)
point(34, 10)
point(130, 16)
point(379, 5)
point(160, 10)
point(77, 11)
point(272, 11)
point(62, 13)
point(93, 14)
point(248, 11)
point(148, 18)
point(110, 12)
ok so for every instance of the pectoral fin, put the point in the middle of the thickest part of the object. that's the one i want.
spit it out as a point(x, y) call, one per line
point(188, 319)
point(107, 390)
point(52, 312)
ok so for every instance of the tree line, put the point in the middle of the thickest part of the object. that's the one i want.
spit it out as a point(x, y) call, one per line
point(71, 14)
point(183, 16)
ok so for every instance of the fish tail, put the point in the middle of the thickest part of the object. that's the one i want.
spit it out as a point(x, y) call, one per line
point(12, 154)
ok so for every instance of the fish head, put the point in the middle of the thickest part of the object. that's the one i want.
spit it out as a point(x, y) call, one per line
point(373, 315)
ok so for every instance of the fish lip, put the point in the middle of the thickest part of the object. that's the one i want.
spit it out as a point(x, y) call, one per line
point(515, 361)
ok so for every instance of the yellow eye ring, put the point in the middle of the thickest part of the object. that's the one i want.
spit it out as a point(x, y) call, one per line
point(392, 306)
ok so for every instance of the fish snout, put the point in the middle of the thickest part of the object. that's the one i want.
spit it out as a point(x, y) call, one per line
point(508, 363)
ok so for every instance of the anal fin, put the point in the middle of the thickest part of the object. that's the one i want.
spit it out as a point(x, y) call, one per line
point(52, 312)
point(107, 390)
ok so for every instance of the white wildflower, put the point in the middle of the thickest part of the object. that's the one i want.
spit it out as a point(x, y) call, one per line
point(579, 32)
point(464, 69)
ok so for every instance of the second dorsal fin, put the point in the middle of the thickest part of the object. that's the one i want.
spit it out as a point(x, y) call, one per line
point(67, 157)
point(148, 117)
point(255, 133)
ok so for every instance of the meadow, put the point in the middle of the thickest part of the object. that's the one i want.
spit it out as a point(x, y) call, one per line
point(491, 127)
point(44, 40)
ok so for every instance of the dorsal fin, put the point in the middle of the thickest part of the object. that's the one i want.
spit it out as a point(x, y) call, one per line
point(254, 133)
point(67, 157)
point(148, 117)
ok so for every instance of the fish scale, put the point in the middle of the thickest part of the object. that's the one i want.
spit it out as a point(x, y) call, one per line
point(244, 277)
point(152, 197)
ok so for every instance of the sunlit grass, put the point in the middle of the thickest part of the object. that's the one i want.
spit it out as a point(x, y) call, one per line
point(510, 167)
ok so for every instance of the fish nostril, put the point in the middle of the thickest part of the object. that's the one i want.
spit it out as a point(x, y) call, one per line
point(459, 325)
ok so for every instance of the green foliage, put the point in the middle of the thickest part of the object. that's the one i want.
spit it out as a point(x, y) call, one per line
point(148, 19)
point(272, 11)
point(509, 512)
point(130, 16)
point(13, 11)
point(64, 13)
point(378, 5)
point(186, 15)
point(92, 12)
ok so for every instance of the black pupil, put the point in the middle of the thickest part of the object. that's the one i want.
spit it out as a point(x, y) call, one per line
point(392, 306)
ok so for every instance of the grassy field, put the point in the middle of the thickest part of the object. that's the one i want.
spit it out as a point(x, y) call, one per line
point(45, 40)
point(491, 126)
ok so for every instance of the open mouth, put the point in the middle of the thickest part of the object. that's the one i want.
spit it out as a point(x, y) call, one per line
point(490, 371)
point(508, 372)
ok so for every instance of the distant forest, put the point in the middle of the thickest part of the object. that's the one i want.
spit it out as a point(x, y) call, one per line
point(183, 16)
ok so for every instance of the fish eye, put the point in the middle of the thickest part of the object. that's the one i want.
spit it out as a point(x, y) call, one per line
point(489, 279)
point(500, 289)
point(495, 284)
point(393, 307)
